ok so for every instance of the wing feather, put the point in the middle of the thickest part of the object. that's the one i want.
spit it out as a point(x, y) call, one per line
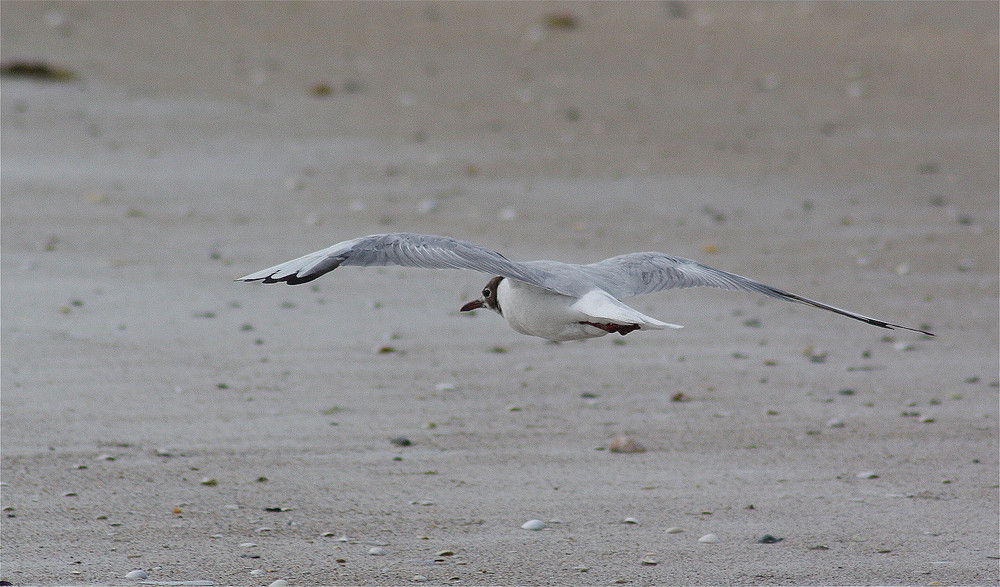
point(641, 273)
point(403, 249)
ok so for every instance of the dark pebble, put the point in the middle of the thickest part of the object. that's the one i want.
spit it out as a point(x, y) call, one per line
point(768, 539)
point(400, 441)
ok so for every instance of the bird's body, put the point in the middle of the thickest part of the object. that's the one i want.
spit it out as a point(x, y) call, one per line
point(549, 299)
point(536, 311)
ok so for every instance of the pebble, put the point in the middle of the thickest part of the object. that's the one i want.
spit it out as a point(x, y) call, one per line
point(418, 578)
point(279, 583)
point(835, 423)
point(709, 539)
point(247, 545)
point(445, 386)
point(445, 553)
point(769, 539)
point(533, 525)
point(630, 521)
point(675, 530)
point(257, 572)
point(401, 441)
point(626, 444)
point(137, 574)
point(377, 551)
point(867, 475)
point(209, 481)
point(649, 560)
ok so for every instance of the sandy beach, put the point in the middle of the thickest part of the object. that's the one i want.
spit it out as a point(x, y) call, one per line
point(359, 430)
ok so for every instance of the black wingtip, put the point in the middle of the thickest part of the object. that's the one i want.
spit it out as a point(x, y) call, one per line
point(924, 332)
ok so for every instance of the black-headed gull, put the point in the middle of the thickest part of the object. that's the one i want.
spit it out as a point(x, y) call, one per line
point(549, 299)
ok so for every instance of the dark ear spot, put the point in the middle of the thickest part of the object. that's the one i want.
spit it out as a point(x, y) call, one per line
point(492, 286)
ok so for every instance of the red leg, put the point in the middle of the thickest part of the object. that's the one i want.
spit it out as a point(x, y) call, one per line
point(621, 329)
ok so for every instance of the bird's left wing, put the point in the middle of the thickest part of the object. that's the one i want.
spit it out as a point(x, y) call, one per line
point(404, 249)
point(641, 273)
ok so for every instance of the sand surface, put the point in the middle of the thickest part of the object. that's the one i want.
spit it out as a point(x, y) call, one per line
point(847, 152)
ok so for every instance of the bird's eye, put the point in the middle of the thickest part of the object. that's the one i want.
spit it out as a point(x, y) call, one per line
point(486, 292)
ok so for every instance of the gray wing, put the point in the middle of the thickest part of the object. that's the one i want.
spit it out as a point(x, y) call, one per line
point(404, 249)
point(641, 273)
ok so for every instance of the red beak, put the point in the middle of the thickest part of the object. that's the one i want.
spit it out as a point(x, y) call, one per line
point(473, 305)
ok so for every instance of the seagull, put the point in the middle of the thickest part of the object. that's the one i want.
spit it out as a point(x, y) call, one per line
point(549, 299)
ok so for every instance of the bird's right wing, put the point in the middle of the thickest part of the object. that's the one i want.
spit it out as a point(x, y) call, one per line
point(403, 249)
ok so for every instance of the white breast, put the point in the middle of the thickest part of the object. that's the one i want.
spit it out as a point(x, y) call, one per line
point(540, 312)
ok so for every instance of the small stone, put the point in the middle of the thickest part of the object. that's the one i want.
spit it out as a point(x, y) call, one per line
point(247, 545)
point(445, 553)
point(835, 423)
point(257, 572)
point(926, 419)
point(709, 539)
point(428, 206)
point(813, 354)
point(445, 386)
point(581, 568)
point(867, 475)
point(279, 583)
point(675, 530)
point(209, 481)
point(649, 560)
point(533, 525)
point(137, 574)
point(626, 444)
point(418, 578)
point(630, 521)
point(769, 539)
point(400, 441)
point(561, 20)
point(377, 551)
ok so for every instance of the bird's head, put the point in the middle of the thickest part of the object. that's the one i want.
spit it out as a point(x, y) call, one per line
point(489, 299)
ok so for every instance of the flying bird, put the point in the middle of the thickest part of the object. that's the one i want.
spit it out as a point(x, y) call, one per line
point(549, 299)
